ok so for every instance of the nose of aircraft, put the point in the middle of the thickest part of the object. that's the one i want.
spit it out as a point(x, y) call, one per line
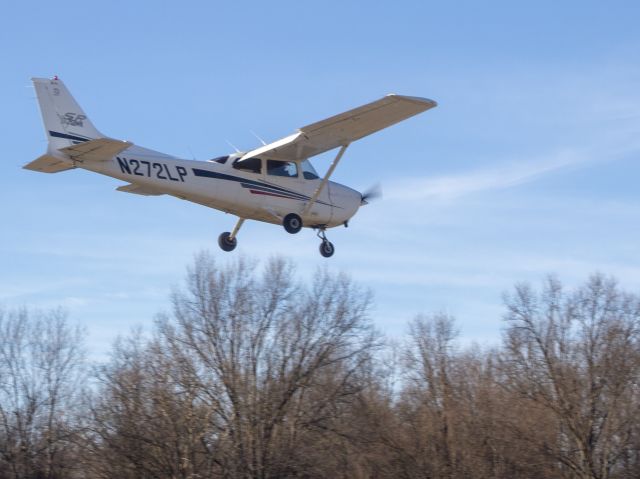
point(371, 193)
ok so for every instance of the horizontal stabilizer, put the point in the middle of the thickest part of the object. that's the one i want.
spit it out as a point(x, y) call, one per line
point(49, 164)
point(101, 149)
point(140, 190)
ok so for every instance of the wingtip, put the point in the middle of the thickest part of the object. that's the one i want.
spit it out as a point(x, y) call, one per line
point(415, 99)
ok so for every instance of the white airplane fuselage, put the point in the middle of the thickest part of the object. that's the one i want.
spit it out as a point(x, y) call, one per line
point(274, 183)
point(249, 195)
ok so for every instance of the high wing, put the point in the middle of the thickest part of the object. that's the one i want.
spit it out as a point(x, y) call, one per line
point(342, 129)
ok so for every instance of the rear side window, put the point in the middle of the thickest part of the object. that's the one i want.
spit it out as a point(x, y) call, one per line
point(253, 165)
point(221, 159)
point(282, 168)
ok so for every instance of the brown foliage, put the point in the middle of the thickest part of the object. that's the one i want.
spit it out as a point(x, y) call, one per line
point(40, 378)
point(247, 378)
point(255, 374)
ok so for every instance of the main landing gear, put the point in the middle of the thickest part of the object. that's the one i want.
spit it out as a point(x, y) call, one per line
point(228, 241)
point(292, 223)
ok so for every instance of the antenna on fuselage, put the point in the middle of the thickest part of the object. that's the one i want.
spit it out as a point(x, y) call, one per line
point(233, 146)
point(256, 135)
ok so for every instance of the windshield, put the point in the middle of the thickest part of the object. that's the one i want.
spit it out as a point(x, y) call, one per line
point(308, 171)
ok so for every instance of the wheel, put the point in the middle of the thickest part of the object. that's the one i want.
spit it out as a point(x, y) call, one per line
point(292, 223)
point(226, 243)
point(327, 249)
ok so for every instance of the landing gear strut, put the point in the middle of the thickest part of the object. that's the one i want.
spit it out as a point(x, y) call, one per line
point(326, 247)
point(227, 241)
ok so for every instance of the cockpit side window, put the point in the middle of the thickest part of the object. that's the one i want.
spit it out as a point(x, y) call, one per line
point(282, 168)
point(308, 171)
point(253, 165)
point(221, 159)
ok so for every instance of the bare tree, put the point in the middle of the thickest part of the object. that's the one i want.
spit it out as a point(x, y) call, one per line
point(40, 378)
point(428, 403)
point(256, 374)
point(575, 358)
point(453, 417)
point(270, 367)
point(146, 421)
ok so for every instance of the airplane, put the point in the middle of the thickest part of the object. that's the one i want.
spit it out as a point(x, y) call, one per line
point(275, 183)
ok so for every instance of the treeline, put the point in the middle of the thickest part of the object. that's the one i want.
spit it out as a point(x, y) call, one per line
point(255, 374)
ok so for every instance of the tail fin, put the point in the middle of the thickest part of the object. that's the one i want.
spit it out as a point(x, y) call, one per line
point(65, 123)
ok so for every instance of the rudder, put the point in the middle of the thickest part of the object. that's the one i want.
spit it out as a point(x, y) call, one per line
point(64, 120)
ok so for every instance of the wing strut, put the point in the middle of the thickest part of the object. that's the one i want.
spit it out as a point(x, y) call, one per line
point(322, 184)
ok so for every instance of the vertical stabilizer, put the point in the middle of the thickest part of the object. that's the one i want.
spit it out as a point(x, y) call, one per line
point(65, 123)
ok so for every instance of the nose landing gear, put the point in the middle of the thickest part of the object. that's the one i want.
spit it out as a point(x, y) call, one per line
point(326, 247)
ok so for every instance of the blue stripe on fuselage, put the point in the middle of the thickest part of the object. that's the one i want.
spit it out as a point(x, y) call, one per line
point(253, 184)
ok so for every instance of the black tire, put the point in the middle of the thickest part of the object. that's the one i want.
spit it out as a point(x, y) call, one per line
point(292, 223)
point(327, 249)
point(226, 243)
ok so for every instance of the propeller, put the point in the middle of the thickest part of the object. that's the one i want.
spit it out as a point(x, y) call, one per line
point(372, 193)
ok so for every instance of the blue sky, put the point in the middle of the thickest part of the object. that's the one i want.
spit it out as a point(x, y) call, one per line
point(528, 166)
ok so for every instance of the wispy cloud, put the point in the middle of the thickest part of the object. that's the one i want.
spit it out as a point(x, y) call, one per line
point(513, 173)
point(496, 177)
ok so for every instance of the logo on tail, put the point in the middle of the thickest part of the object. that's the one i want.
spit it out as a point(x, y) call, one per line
point(72, 119)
